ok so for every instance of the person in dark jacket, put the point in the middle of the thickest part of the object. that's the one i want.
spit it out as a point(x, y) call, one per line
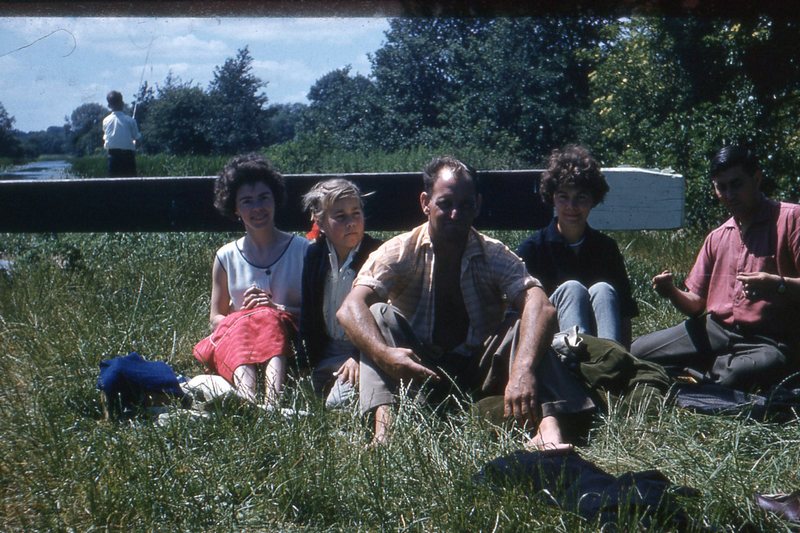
point(330, 266)
point(581, 269)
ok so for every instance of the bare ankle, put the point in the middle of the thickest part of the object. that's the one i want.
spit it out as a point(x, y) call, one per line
point(548, 436)
point(383, 424)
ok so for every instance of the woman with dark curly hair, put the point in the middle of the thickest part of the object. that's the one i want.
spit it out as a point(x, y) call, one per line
point(581, 269)
point(260, 270)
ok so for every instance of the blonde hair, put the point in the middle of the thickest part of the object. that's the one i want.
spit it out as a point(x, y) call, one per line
point(326, 193)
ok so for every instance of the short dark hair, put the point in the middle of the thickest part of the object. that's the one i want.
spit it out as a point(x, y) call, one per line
point(733, 156)
point(246, 169)
point(431, 171)
point(114, 99)
point(572, 166)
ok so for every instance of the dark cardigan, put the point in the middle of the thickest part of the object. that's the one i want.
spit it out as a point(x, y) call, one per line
point(315, 268)
point(549, 259)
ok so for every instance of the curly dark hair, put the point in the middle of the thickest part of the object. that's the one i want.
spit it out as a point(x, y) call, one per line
point(573, 166)
point(246, 170)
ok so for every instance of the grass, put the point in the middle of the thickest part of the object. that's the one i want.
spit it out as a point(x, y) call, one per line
point(73, 300)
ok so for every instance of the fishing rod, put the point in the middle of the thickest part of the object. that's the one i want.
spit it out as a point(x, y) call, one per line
point(141, 78)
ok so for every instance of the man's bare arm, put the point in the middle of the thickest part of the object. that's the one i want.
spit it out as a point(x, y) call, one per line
point(359, 324)
point(686, 302)
point(538, 324)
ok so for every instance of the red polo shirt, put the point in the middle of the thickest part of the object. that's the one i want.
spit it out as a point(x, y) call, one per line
point(771, 244)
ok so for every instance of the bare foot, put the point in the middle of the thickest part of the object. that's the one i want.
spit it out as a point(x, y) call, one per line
point(535, 444)
point(378, 441)
point(548, 438)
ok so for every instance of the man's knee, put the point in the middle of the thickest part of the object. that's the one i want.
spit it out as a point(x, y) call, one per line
point(758, 368)
point(379, 310)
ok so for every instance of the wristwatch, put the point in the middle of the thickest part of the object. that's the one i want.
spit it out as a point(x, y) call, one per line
point(782, 286)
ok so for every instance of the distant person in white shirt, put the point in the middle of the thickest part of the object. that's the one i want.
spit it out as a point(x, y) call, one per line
point(120, 134)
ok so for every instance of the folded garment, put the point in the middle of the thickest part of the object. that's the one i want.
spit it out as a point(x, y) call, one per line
point(130, 382)
point(567, 481)
point(779, 404)
point(605, 365)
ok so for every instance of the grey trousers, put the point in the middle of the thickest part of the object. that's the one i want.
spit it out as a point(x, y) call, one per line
point(725, 356)
point(482, 374)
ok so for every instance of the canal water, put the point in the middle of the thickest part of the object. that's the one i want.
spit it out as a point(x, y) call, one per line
point(39, 170)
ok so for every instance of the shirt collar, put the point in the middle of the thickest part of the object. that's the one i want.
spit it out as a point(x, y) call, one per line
point(474, 242)
point(334, 258)
point(765, 208)
point(551, 233)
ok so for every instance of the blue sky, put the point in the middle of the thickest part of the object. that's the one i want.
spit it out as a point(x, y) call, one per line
point(78, 60)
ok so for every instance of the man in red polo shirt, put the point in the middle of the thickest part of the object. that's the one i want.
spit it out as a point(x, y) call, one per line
point(743, 295)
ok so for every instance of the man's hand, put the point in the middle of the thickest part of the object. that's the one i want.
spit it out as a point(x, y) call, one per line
point(348, 372)
point(685, 301)
point(664, 284)
point(403, 364)
point(521, 400)
point(758, 284)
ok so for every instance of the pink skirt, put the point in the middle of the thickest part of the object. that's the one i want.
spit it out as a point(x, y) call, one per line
point(246, 337)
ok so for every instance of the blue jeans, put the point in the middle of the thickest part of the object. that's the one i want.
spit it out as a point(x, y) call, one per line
point(594, 310)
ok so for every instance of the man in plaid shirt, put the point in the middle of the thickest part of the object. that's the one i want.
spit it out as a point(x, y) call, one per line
point(430, 306)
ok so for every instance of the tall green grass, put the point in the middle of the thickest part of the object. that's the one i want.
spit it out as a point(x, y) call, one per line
point(96, 166)
point(295, 158)
point(73, 300)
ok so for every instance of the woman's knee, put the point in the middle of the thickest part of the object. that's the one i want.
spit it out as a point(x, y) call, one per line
point(602, 289)
point(570, 290)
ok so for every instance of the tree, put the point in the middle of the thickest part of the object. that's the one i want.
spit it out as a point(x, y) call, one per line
point(52, 141)
point(342, 107)
point(669, 92)
point(281, 122)
point(86, 128)
point(142, 101)
point(177, 120)
point(238, 117)
point(522, 85)
point(509, 85)
point(414, 76)
point(9, 144)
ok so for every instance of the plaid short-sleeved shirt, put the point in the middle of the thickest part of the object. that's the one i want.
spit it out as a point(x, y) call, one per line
point(492, 276)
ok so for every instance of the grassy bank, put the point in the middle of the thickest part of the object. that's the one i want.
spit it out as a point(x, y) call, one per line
point(72, 300)
point(293, 158)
